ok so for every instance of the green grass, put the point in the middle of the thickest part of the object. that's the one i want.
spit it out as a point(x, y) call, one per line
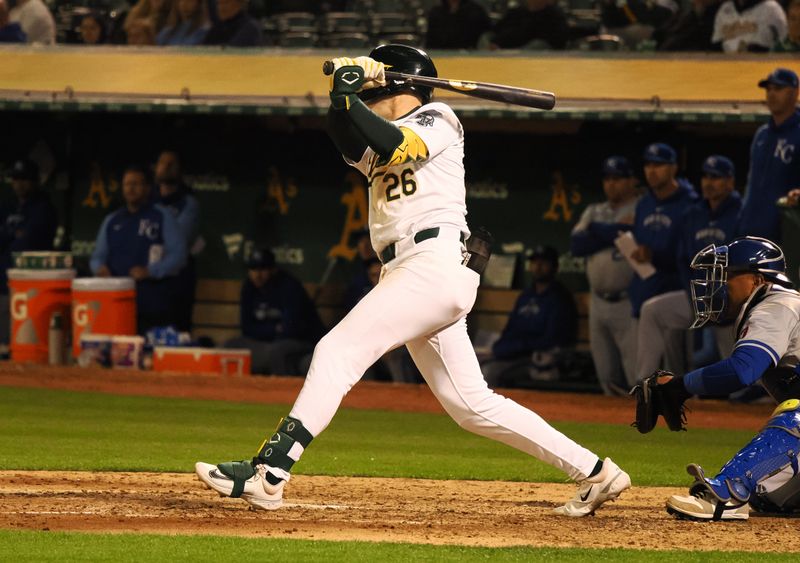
point(61, 546)
point(46, 429)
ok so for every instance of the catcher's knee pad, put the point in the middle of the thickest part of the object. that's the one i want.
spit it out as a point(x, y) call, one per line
point(285, 446)
point(764, 466)
point(783, 383)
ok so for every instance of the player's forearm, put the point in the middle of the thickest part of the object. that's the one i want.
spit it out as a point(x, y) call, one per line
point(381, 135)
point(344, 135)
point(742, 369)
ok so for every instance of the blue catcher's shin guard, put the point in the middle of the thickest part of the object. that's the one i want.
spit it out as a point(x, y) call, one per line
point(763, 466)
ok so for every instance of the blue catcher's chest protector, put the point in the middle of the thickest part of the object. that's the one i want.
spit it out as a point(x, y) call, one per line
point(765, 471)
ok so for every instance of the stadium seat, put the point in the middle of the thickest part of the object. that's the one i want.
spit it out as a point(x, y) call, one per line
point(297, 39)
point(603, 42)
point(390, 23)
point(410, 39)
point(342, 22)
point(347, 40)
point(296, 22)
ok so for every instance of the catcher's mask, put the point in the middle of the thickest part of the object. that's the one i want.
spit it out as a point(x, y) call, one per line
point(715, 264)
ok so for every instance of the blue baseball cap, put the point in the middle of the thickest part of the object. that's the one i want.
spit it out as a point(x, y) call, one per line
point(617, 166)
point(780, 77)
point(719, 166)
point(660, 153)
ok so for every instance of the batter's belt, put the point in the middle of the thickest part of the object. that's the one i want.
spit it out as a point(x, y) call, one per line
point(390, 251)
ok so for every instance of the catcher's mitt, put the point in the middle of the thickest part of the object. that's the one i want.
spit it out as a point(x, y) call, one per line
point(666, 399)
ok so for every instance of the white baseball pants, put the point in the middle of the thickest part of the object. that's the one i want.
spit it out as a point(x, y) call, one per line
point(422, 301)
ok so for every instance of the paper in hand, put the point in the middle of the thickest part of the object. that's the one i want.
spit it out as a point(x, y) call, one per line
point(626, 245)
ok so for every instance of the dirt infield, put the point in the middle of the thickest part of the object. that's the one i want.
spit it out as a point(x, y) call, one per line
point(371, 509)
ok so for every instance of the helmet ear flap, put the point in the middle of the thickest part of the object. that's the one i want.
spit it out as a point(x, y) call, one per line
point(406, 60)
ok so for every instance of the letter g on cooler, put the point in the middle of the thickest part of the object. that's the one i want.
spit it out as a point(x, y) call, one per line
point(19, 306)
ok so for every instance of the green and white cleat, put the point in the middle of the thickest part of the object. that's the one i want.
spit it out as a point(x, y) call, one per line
point(242, 479)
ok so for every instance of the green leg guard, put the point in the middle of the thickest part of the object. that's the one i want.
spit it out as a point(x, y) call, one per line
point(275, 450)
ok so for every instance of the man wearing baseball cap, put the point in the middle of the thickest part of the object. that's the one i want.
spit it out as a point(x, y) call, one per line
point(611, 334)
point(713, 220)
point(30, 224)
point(774, 157)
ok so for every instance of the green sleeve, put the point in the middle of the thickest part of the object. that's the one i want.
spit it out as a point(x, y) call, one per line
point(381, 135)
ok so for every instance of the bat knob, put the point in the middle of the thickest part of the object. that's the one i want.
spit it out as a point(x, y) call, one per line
point(327, 68)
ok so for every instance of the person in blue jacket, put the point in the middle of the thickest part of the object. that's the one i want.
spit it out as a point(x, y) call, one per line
point(176, 196)
point(774, 158)
point(713, 220)
point(29, 225)
point(543, 321)
point(655, 226)
point(280, 325)
point(143, 241)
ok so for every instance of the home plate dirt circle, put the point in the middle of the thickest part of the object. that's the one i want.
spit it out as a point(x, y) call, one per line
point(473, 513)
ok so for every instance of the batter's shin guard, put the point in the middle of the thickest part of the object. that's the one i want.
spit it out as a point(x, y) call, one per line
point(283, 448)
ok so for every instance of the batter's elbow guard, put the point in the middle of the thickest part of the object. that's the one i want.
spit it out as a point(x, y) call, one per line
point(479, 247)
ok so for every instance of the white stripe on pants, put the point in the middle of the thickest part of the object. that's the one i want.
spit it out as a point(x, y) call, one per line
point(422, 299)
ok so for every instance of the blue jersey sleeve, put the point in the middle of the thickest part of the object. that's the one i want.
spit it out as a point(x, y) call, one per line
point(742, 369)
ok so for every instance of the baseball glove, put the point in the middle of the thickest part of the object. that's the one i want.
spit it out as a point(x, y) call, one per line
point(666, 399)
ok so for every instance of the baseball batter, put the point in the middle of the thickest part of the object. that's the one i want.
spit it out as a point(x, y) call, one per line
point(411, 151)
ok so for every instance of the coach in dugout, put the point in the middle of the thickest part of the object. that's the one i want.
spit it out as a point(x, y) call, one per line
point(711, 221)
point(774, 158)
point(143, 241)
point(656, 230)
point(611, 334)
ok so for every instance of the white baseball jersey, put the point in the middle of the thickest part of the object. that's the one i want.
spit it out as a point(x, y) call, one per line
point(773, 325)
point(408, 197)
point(761, 24)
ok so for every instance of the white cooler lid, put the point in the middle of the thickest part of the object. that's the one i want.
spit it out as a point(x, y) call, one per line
point(24, 274)
point(103, 284)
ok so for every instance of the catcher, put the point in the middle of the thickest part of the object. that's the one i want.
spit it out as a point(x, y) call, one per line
point(745, 280)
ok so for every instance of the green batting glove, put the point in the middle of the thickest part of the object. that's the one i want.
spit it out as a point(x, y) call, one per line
point(345, 82)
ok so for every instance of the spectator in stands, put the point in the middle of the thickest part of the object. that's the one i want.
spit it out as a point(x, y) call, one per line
point(792, 41)
point(637, 20)
point(279, 323)
point(611, 335)
point(36, 21)
point(456, 24)
point(143, 241)
point(93, 29)
point(176, 196)
point(692, 29)
point(187, 23)
point(774, 158)
point(140, 33)
point(29, 224)
point(713, 220)
point(10, 32)
point(749, 25)
point(152, 12)
point(232, 25)
point(543, 321)
point(540, 21)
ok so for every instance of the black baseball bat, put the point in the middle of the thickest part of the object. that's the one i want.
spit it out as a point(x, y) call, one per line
point(484, 90)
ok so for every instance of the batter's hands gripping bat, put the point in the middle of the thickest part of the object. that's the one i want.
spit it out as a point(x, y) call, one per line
point(484, 90)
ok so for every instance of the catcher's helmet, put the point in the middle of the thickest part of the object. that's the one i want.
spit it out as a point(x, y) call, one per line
point(405, 59)
point(715, 264)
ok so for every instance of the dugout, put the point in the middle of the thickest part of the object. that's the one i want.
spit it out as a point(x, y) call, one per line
point(250, 128)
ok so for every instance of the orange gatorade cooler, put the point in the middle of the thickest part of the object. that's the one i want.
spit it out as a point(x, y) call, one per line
point(224, 361)
point(35, 295)
point(102, 306)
